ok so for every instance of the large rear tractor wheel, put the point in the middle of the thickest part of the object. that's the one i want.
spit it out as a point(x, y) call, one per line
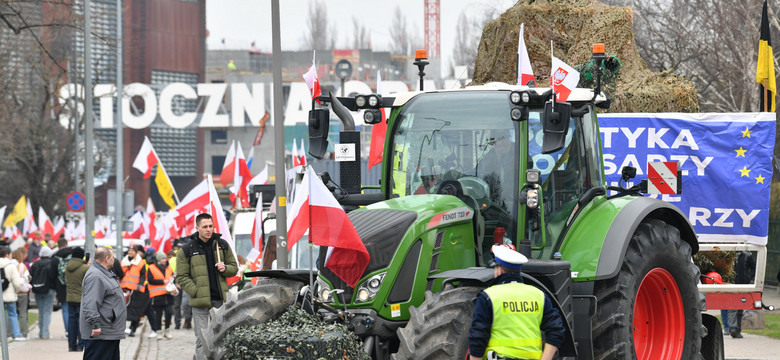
point(439, 327)
point(650, 311)
point(253, 305)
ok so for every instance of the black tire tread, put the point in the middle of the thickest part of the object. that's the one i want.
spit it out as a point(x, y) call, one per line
point(658, 242)
point(438, 328)
point(253, 305)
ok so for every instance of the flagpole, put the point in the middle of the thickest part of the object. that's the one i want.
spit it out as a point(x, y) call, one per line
point(311, 256)
point(552, 86)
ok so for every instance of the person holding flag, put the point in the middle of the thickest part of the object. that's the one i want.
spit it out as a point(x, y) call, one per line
point(203, 265)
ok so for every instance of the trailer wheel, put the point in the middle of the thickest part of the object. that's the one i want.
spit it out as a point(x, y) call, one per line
point(439, 327)
point(650, 309)
point(253, 305)
point(712, 344)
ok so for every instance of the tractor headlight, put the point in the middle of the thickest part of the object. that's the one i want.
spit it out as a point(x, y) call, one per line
point(367, 290)
point(360, 101)
point(373, 101)
point(363, 295)
point(323, 291)
point(514, 97)
point(532, 198)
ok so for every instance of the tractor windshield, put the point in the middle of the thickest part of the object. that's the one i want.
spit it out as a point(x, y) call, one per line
point(464, 137)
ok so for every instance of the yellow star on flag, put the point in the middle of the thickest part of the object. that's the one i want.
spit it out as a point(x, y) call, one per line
point(746, 133)
point(760, 179)
point(744, 172)
point(740, 152)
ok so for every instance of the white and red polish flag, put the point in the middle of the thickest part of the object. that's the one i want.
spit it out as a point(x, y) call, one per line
point(59, 228)
point(44, 223)
point(150, 228)
point(296, 160)
point(29, 222)
point(146, 158)
point(229, 167)
point(302, 156)
point(524, 71)
point(257, 226)
point(196, 201)
point(563, 79)
point(261, 178)
point(378, 131)
point(218, 217)
point(315, 209)
point(312, 80)
point(241, 179)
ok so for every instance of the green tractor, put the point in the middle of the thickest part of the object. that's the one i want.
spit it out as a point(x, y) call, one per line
point(497, 163)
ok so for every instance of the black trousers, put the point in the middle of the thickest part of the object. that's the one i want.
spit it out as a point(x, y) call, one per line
point(156, 320)
point(101, 350)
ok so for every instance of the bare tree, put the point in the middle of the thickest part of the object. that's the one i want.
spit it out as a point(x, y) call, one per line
point(36, 151)
point(361, 38)
point(322, 34)
point(713, 43)
point(399, 35)
point(468, 32)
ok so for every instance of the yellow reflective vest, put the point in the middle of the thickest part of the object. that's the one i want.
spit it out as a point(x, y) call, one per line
point(517, 317)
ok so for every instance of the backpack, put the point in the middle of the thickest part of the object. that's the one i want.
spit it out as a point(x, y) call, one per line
point(63, 263)
point(40, 275)
point(4, 280)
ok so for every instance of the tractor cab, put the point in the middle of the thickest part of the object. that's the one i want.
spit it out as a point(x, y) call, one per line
point(487, 150)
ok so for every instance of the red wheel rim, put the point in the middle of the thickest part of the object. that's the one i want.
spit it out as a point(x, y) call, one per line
point(659, 317)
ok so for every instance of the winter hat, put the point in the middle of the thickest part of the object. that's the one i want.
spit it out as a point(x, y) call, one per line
point(78, 253)
point(161, 256)
point(46, 252)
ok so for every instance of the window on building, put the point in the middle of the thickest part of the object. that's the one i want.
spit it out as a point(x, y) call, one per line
point(217, 162)
point(219, 136)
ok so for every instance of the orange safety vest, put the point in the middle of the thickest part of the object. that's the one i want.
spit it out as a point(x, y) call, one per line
point(157, 290)
point(132, 279)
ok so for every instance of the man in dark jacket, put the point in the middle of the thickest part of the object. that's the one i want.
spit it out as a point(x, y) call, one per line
point(510, 317)
point(103, 315)
point(202, 266)
point(63, 256)
point(44, 283)
point(74, 276)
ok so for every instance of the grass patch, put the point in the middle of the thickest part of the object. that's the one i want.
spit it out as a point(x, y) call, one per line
point(772, 328)
point(32, 318)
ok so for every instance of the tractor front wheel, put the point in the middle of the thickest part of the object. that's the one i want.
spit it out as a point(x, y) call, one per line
point(439, 328)
point(650, 309)
point(253, 305)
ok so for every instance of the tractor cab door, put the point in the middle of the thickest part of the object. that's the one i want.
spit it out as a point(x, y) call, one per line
point(565, 176)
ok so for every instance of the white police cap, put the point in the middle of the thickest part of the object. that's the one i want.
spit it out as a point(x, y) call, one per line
point(508, 258)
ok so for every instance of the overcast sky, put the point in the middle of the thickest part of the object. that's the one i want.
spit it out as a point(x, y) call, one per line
point(240, 22)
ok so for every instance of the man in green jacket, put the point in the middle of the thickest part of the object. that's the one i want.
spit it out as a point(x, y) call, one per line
point(74, 275)
point(202, 266)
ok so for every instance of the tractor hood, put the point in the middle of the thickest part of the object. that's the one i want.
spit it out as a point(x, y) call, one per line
point(390, 228)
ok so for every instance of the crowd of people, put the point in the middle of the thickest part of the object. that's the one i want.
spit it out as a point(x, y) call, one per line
point(58, 276)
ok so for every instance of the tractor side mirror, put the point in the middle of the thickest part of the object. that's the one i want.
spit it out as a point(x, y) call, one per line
point(319, 121)
point(555, 125)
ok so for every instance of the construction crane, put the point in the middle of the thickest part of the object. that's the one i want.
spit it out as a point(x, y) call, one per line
point(432, 28)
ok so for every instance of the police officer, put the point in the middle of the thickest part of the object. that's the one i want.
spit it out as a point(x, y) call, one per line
point(510, 317)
